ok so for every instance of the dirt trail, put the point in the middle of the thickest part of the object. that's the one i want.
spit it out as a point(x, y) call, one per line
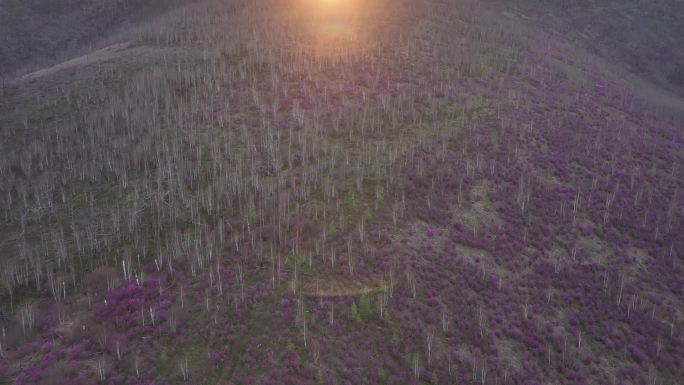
point(99, 56)
point(339, 287)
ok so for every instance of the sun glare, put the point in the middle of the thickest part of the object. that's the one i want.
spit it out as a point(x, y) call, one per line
point(333, 7)
point(334, 25)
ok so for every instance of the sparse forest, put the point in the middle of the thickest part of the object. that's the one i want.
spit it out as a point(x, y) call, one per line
point(336, 192)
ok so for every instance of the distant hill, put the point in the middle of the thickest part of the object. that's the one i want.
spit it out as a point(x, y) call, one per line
point(643, 36)
point(41, 32)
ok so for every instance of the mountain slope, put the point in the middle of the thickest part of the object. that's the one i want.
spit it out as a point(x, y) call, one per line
point(305, 192)
point(37, 32)
point(640, 36)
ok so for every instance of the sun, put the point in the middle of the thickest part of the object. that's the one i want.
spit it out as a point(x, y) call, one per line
point(333, 6)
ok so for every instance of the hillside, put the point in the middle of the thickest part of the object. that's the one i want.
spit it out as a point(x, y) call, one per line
point(642, 36)
point(340, 192)
point(36, 32)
